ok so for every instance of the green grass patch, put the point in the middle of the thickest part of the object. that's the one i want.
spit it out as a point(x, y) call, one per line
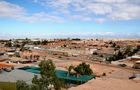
point(7, 86)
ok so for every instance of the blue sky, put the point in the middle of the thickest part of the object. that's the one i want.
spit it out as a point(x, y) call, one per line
point(69, 18)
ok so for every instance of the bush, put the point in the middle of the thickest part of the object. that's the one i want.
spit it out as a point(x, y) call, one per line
point(21, 85)
point(83, 69)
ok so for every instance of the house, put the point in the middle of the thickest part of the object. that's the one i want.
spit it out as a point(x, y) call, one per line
point(1, 53)
point(5, 65)
point(32, 47)
point(134, 58)
point(10, 53)
point(138, 53)
point(92, 51)
point(136, 65)
point(3, 58)
point(29, 46)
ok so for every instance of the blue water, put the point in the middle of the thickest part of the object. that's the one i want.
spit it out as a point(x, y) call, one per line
point(60, 74)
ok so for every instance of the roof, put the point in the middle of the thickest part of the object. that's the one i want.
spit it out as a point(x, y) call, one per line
point(5, 65)
point(15, 75)
point(137, 61)
point(83, 78)
point(138, 57)
point(60, 74)
point(4, 57)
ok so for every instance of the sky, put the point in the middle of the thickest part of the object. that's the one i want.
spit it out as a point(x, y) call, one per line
point(69, 18)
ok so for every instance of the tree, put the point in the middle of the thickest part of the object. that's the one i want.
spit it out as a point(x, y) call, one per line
point(117, 46)
point(119, 55)
point(44, 58)
point(70, 68)
point(76, 39)
point(26, 41)
point(8, 44)
point(127, 50)
point(44, 42)
point(31, 57)
point(83, 69)
point(95, 53)
point(36, 42)
point(47, 81)
point(64, 45)
point(109, 60)
point(138, 47)
point(48, 78)
point(113, 45)
point(21, 85)
point(17, 45)
point(37, 57)
point(110, 42)
point(134, 50)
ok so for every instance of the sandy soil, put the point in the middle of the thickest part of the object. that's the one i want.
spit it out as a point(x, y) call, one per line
point(4, 49)
point(115, 79)
point(108, 84)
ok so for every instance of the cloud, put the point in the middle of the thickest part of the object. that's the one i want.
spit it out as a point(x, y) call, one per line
point(111, 1)
point(81, 18)
point(100, 20)
point(66, 10)
point(92, 35)
point(94, 9)
point(71, 35)
point(126, 12)
point(99, 8)
point(40, 17)
point(9, 10)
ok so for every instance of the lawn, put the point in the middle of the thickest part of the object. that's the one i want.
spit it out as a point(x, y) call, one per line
point(7, 86)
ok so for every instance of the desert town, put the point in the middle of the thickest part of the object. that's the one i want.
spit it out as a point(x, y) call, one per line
point(115, 62)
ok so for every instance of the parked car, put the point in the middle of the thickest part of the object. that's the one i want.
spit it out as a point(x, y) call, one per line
point(122, 65)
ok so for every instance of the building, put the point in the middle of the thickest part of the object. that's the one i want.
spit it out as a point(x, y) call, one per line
point(134, 58)
point(136, 65)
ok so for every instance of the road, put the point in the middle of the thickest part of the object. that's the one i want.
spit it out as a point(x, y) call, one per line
point(103, 63)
